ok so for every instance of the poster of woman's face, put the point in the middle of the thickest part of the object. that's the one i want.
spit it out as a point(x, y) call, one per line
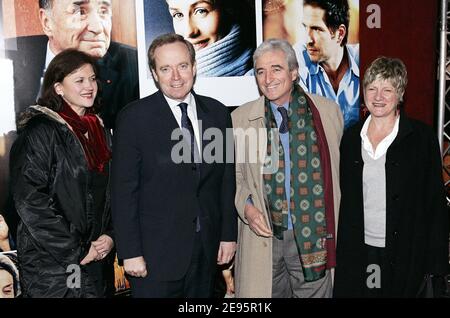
point(224, 34)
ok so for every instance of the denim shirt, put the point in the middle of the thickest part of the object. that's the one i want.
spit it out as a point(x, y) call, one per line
point(314, 79)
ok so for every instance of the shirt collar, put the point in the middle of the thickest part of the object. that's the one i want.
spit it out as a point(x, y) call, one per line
point(49, 56)
point(275, 106)
point(353, 51)
point(383, 145)
point(173, 104)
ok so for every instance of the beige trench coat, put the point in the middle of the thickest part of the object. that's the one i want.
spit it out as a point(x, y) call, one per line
point(253, 264)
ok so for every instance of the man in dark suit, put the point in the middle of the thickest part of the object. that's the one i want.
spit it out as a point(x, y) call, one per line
point(86, 26)
point(173, 220)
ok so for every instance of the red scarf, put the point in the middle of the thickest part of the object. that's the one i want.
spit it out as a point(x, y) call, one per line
point(95, 148)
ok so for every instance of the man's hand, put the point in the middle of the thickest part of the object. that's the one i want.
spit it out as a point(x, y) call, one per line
point(226, 252)
point(135, 266)
point(256, 221)
point(103, 245)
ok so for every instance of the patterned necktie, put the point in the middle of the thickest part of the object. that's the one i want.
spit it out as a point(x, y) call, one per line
point(284, 122)
point(187, 124)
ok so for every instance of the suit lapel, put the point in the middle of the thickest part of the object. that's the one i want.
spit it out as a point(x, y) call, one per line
point(205, 121)
point(164, 114)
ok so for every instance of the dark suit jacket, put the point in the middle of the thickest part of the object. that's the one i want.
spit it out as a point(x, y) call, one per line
point(155, 201)
point(118, 74)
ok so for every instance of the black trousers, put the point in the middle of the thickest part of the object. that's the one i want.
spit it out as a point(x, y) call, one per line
point(376, 271)
point(198, 282)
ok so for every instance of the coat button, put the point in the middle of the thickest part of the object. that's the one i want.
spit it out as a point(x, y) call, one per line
point(395, 197)
point(265, 244)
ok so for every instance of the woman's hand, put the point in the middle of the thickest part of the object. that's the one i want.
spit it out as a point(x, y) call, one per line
point(103, 245)
point(4, 230)
point(91, 256)
point(4, 235)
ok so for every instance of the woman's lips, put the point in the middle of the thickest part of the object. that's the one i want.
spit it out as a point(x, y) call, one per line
point(200, 44)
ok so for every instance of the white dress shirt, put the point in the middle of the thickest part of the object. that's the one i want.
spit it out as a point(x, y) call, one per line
point(374, 185)
point(383, 145)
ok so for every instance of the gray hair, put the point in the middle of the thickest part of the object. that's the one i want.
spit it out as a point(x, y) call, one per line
point(280, 45)
point(390, 69)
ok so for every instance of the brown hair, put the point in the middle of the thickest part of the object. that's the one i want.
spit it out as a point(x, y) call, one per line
point(168, 39)
point(62, 65)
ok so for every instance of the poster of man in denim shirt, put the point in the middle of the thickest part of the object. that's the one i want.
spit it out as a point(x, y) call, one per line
point(328, 65)
point(324, 34)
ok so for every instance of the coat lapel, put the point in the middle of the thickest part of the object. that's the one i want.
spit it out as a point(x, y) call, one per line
point(205, 121)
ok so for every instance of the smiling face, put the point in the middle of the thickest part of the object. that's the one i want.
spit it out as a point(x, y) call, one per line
point(6, 284)
point(273, 76)
point(381, 98)
point(321, 43)
point(79, 89)
point(198, 21)
point(174, 71)
point(84, 25)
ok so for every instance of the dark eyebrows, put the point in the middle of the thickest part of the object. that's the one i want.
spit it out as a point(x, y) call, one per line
point(81, 2)
point(195, 4)
point(271, 66)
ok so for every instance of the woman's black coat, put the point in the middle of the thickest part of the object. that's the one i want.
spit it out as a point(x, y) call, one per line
point(52, 191)
point(417, 219)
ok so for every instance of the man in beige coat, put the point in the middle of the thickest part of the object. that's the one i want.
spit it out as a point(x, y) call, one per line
point(286, 243)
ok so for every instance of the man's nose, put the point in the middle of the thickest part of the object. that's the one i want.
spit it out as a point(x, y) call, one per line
point(95, 23)
point(175, 74)
point(309, 36)
point(268, 77)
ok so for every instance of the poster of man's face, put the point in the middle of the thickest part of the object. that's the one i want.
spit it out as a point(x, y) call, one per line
point(324, 34)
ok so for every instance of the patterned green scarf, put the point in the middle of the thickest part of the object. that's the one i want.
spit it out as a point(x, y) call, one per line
point(307, 187)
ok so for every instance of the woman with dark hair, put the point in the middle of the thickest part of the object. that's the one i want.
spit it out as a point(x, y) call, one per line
point(60, 185)
point(9, 279)
point(393, 223)
point(220, 33)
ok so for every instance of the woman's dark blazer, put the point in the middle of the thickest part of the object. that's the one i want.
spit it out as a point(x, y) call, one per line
point(417, 219)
